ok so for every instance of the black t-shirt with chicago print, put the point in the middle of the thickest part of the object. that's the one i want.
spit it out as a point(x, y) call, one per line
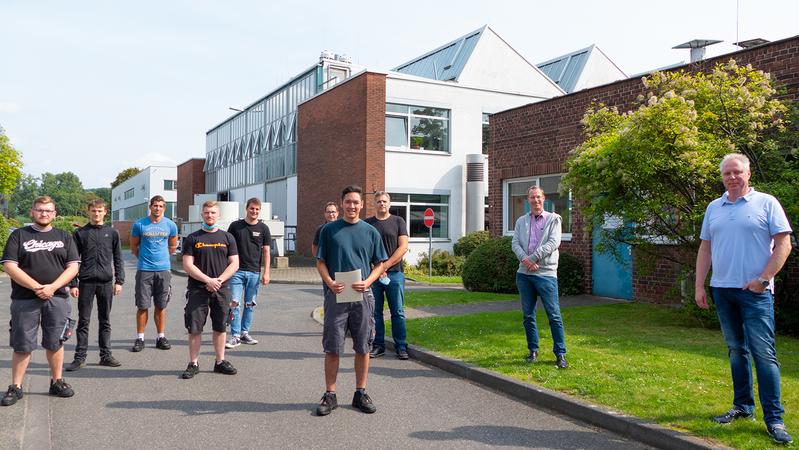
point(210, 252)
point(43, 255)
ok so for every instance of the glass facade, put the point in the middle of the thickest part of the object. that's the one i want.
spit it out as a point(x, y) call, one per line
point(260, 143)
point(411, 207)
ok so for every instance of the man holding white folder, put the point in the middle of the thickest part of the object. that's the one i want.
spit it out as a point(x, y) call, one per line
point(349, 248)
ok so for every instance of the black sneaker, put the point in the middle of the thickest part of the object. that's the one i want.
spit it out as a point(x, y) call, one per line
point(777, 433)
point(225, 367)
point(402, 354)
point(162, 343)
point(191, 370)
point(13, 394)
point(733, 414)
point(138, 345)
point(362, 401)
point(75, 365)
point(560, 362)
point(109, 361)
point(377, 352)
point(61, 388)
point(328, 404)
point(531, 358)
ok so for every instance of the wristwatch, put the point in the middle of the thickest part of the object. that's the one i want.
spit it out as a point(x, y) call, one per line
point(764, 281)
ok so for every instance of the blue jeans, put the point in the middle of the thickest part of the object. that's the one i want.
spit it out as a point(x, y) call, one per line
point(244, 290)
point(747, 321)
point(395, 294)
point(530, 288)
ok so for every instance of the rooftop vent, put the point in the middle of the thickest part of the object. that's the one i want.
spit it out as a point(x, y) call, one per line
point(697, 47)
point(326, 54)
point(751, 43)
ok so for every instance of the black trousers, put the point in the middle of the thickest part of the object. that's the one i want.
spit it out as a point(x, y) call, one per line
point(104, 291)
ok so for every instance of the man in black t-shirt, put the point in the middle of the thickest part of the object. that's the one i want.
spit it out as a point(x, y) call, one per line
point(253, 240)
point(331, 215)
point(210, 258)
point(41, 261)
point(391, 284)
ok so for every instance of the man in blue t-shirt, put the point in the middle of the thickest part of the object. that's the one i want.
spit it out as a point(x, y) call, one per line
point(347, 245)
point(745, 237)
point(152, 240)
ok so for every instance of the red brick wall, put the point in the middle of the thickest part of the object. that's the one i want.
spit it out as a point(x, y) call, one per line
point(340, 141)
point(123, 228)
point(191, 180)
point(535, 140)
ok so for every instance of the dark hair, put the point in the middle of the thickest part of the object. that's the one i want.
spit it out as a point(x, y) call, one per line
point(252, 201)
point(157, 198)
point(95, 203)
point(333, 204)
point(352, 188)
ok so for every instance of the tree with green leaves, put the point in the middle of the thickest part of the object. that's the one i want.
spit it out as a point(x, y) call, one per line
point(657, 167)
point(10, 165)
point(124, 175)
point(67, 192)
point(27, 189)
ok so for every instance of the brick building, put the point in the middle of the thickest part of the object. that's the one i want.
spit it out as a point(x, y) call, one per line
point(530, 144)
point(190, 181)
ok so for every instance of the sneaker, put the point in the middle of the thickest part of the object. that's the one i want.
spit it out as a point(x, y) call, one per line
point(247, 339)
point(402, 354)
point(328, 404)
point(733, 414)
point(377, 352)
point(531, 358)
point(75, 365)
point(362, 401)
point(13, 394)
point(61, 388)
point(560, 362)
point(225, 367)
point(233, 342)
point(191, 370)
point(109, 361)
point(777, 432)
point(162, 343)
point(138, 345)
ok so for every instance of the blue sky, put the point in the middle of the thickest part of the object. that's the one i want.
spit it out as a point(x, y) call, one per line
point(94, 87)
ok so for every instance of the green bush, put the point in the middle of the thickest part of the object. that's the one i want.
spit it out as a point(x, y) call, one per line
point(570, 275)
point(4, 232)
point(67, 223)
point(468, 242)
point(444, 263)
point(491, 267)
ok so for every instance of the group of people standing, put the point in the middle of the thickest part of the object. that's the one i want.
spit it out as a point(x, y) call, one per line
point(745, 238)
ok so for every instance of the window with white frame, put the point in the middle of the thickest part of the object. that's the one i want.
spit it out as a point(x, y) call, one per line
point(170, 185)
point(485, 133)
point(514, 203)
point(417, 128)
point(411, 207)
point(129, 193)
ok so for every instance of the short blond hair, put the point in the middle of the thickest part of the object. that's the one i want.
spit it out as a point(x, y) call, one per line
point(42, 200)
point(210, 204)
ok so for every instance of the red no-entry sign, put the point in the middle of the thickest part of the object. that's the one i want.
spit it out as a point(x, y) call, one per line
point(429, 218)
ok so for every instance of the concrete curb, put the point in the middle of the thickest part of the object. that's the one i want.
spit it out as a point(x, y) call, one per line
point(627, 426)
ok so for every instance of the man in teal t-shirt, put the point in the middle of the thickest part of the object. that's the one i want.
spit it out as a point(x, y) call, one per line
point(152, 240)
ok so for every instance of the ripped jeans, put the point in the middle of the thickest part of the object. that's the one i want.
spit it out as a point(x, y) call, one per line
point(244, 290)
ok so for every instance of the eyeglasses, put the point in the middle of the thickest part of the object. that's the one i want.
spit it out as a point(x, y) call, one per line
point(331, 212)
point(44, 211)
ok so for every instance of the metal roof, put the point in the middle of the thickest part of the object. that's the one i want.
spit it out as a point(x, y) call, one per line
point(566, 70)
point(446, 62)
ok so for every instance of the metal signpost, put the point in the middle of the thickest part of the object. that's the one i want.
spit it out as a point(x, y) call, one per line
point(429, 220)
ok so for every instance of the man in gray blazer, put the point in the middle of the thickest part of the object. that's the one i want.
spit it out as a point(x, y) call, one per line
point(536, 239)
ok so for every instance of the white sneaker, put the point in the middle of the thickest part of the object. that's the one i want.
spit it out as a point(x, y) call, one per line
point(233, 342)
point(247, 339)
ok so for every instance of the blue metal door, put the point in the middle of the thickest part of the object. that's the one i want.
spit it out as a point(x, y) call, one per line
point(610, 276)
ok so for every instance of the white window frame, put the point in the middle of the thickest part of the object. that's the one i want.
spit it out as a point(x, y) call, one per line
point(507, 228)
point(407, 204)
point(409, 116)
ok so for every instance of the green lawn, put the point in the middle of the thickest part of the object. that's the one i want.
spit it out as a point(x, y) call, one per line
point(417, 298)
point(641, 359)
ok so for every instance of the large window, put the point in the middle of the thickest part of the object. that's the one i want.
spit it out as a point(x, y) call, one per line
point(411, 207)
point(417, 127)
point(515, 200)
point(170, 185)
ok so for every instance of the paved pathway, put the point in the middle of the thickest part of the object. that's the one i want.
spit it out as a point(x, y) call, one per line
point(270, 403)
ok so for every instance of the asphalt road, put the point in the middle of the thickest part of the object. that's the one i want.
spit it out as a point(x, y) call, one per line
point(271, 402)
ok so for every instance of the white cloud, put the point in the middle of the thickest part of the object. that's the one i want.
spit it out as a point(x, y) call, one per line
point(9, 107)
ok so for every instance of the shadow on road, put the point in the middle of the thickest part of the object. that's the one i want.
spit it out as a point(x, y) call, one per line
point(521, 437)
point(198, 408)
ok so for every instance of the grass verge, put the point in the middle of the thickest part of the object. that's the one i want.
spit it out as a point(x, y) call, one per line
point(417, 298)
point(644, 360)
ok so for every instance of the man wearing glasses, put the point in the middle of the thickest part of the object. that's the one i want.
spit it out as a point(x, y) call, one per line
point(331, 215)
point(41, 261)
